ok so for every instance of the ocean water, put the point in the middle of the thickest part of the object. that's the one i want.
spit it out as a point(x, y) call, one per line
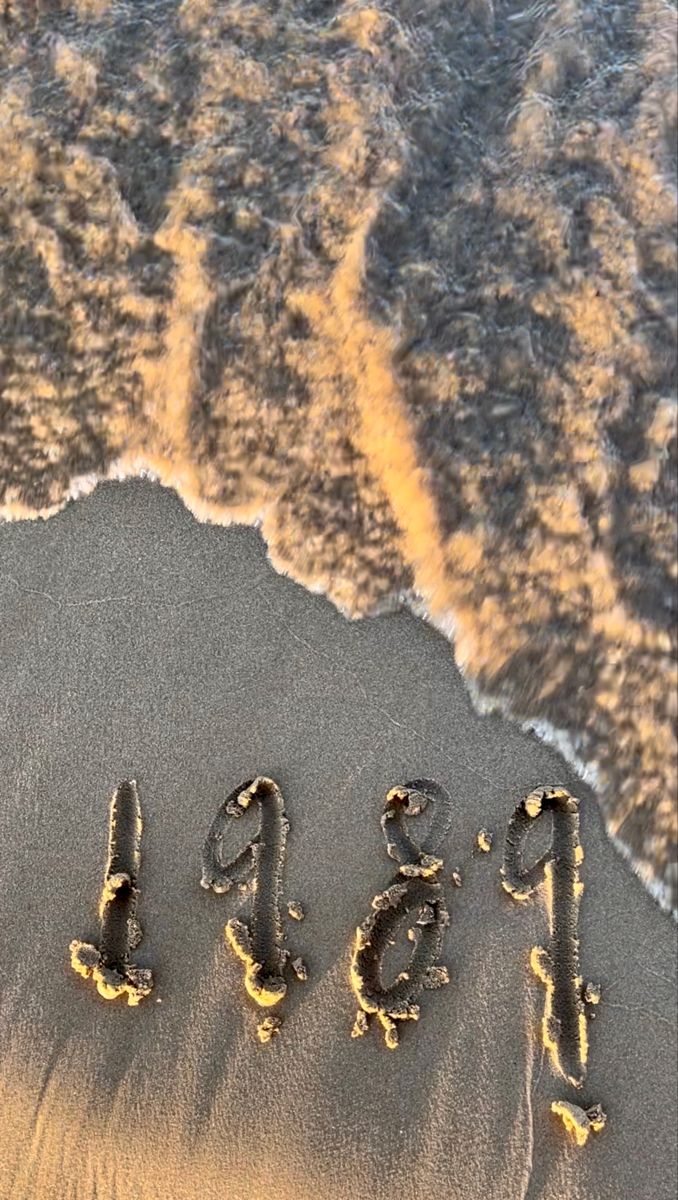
point(395, 284)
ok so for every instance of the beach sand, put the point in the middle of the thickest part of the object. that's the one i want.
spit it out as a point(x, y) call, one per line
point(137, 643)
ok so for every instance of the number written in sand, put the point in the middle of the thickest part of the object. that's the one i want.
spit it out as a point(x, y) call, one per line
point(414, 899)
point(564, 1024)
point(415, 892)
point(257, 940)
point(108, 964)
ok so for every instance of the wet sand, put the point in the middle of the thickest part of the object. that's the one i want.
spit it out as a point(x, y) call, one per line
point(138, 644)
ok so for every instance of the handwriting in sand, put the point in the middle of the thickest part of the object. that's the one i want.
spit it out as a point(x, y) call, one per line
point(108, 964)
point(413, 897)
point(414, 892)
point(258, 941)
point(564, 1022)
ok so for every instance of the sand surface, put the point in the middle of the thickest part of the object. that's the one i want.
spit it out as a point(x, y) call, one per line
point(136, 643)
point(398, 281)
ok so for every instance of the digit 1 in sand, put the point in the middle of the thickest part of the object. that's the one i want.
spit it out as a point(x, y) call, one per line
point(108, 964)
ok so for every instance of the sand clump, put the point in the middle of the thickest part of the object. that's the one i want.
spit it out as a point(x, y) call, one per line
point(578, 1122)
point(484, 841)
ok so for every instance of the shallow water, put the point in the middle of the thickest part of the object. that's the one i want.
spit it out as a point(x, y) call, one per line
point(400, 287)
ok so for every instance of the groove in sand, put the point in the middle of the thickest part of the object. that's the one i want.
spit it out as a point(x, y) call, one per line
point(259, 942)
point(564, 1024)
point(415, 890)
point(120, 932)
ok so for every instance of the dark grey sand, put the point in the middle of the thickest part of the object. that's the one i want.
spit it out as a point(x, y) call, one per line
point(135, 642)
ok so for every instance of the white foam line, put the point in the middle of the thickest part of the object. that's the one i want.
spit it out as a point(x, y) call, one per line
point(562, 740)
